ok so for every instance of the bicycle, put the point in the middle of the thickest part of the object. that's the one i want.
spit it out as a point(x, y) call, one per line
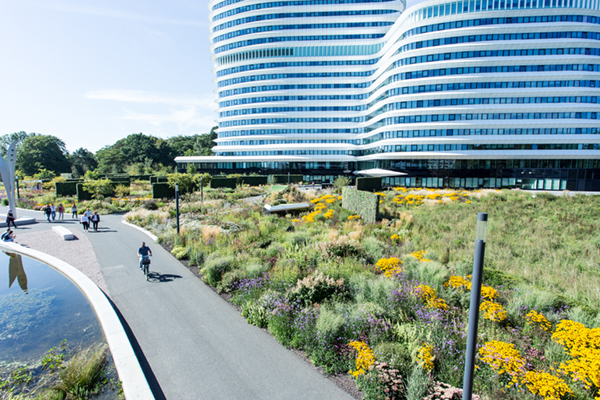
point(146, 265)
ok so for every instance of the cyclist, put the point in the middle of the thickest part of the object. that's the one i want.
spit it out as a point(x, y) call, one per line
point(143, 252)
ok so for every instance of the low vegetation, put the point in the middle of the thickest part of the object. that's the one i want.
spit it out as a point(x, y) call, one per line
point(388, 302)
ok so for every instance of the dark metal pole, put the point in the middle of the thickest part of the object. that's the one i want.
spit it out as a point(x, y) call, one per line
point(201, 188)
point(474, 309)
point(177, 205)
point(18, 195)
point(288, 179)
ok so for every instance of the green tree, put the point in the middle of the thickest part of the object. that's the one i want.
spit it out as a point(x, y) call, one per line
point(6, 140)
point(82, 160)
point(185, 182)
point(42, 151)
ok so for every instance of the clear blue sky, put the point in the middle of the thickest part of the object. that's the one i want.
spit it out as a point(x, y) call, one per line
point(93, 72)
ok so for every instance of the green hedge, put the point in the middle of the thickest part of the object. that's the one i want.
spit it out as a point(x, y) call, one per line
point(363, 203)
point(162, 190)
point(159, 179)
point(283, 179)
point(66, 188)
point(254, 180)
point(223, 183)
point(82, 194)
point(143, 177)
point(368, 184)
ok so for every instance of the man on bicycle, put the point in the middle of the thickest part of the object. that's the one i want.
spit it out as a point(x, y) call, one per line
point(143, 252)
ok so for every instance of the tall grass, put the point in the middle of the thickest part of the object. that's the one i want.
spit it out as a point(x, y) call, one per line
point(551, 243)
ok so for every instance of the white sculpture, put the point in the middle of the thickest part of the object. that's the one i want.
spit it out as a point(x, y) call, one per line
point(7, 171)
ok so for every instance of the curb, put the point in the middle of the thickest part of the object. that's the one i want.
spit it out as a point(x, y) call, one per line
point(153, 237)
point(135, 385)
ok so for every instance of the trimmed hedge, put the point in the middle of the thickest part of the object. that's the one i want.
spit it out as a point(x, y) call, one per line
point(143, 177)
point(159, 179)
point(82, 194)
point(368, 184)
point(283, 179)
point(223, 183)
point(162, 190)
point(254, 180)
point(66, 188)
point(363, 203)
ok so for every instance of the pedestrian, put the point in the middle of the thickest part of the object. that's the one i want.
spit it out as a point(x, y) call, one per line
point(53, 211)
point(85, 221)
point(8, 236)
point(88, 213)
point(74, 210)
point(95, 220)
point(10, 217)
point(48, 212)
point(61, 211)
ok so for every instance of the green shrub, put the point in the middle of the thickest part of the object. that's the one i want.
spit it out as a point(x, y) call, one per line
point(362, 203)
point(255, 314)
point(150, 205)
point(316, 288)
point(215, 266)
point(395, 355)
point(179, 252)
point(229, 280)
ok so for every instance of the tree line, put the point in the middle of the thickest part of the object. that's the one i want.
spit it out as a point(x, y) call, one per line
point(46, 156)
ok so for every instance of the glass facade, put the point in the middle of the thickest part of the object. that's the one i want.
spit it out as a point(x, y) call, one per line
point(488, 93)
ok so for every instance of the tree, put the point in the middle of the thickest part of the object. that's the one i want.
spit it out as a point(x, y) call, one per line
point(42, 151)
point(82, 160)
point(6, 140)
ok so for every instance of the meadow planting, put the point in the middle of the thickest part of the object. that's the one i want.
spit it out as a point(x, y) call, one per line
point(388, 302)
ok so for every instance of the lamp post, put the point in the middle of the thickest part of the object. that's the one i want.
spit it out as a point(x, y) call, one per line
point(177, 205)
point(474, 306)
point(17, 181)
point(201, 189)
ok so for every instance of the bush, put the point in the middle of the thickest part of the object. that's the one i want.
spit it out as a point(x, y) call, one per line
point(215, 267)
point(150, 205)
point(122, 190)
point(179, 252)
point(396, 355)
point(316, 288)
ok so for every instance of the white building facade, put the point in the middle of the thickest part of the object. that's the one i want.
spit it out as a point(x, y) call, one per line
point(483, 93)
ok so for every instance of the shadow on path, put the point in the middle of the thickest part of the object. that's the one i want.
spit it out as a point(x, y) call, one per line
point(158, 277)
point(150, 377)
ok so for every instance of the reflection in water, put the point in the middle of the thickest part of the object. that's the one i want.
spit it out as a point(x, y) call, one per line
point(15, 270)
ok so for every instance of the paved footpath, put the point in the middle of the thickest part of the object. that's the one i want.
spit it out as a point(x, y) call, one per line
point(191, 343)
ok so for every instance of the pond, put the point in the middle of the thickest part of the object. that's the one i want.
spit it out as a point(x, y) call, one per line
point(39, 309)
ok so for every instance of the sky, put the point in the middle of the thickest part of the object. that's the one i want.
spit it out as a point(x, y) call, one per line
point(93, 72)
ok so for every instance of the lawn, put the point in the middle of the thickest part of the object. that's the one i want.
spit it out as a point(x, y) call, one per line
point(388, 302)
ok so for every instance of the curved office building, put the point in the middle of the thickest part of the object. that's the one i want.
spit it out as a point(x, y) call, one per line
point(482, 93)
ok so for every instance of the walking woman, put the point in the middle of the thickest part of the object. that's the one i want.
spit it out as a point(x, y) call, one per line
point(74, 210)
point(61, 211)
point(85, 221)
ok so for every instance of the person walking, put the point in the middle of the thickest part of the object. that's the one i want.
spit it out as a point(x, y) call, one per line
point(85, 221)
point(88, 213)
point(10, 217)
point(48, 212)
point(61, 211)
point(53, 211)
point(95, 220)
point(74, 211)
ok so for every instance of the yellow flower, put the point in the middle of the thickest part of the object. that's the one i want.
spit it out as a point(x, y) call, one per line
point(546, 385)
point(420, 255)
point(534, 317)
point(389, 266)
point(364, 358)
point(394, 237)
point(426, 357)
point(504, 359)
point(492, 311)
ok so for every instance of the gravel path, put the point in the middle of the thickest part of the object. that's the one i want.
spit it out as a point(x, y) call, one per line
point(79, 253)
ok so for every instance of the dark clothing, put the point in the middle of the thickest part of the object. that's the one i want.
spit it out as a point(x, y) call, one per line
point(48, 213)
point(143, 251)
point(10, 217)
point(95, 220)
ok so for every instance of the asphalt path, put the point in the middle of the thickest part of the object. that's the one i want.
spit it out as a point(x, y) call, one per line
point(190, 342)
